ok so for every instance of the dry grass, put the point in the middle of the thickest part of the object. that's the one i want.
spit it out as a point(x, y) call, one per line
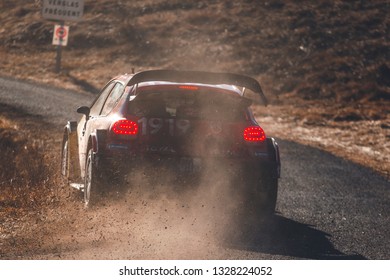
point(365, 142)
point(27, 173)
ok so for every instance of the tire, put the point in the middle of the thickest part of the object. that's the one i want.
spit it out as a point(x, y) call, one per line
point(261, 200)
point(270, 193)
point(91, 184)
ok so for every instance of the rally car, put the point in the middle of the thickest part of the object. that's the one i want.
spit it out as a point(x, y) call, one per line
point(181, 120)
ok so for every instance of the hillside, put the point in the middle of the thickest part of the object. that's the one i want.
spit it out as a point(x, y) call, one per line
point(336, 50)
point(324, 64)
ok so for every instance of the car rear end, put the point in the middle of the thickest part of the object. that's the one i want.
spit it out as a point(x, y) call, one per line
point(188, 129)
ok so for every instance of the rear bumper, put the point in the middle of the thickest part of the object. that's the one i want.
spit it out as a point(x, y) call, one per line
point(185, 166)
point(126, 157)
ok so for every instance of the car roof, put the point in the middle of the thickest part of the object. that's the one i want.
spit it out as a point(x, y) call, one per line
point(124, 78)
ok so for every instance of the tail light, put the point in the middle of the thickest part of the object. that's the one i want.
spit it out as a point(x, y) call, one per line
point(254, 134)
point(125, 127)
point(188, 87)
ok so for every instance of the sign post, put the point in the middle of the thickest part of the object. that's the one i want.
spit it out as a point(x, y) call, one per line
point(71, 10)
point(58, 59)
point(60, 38)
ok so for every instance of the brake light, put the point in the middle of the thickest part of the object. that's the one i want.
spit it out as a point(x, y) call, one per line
point(189, 87)
point(125, 127)
point(254, 134)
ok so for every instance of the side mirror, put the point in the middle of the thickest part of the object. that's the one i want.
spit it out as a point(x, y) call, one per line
point(84, 110)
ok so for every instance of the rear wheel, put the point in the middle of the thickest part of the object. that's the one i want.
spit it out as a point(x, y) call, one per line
point(91, 185)
point(263, 195)
point(269, 194)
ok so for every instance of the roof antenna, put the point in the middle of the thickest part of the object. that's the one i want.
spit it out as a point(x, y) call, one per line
point(132, 70)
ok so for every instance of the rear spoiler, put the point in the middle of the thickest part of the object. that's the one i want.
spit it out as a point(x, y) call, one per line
point(198, 77)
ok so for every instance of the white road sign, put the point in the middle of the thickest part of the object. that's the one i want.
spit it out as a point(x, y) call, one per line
point(70, 10)
point(60, 35)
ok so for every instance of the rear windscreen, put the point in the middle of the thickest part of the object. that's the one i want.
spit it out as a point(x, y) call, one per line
point(187, 105)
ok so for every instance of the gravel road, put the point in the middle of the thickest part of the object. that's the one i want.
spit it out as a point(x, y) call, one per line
point(328, 208)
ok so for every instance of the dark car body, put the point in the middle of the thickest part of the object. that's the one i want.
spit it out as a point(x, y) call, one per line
point(180, 120)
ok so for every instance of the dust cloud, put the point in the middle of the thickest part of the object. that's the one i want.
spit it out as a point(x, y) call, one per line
point(161, 211)
point(160, 217)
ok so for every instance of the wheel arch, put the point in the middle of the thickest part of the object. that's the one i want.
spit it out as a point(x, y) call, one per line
point(273, 147)
point(97, 140)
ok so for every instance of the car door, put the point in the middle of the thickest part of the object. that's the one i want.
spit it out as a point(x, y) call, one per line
point(86, 124)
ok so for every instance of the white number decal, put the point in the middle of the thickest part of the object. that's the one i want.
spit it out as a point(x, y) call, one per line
point(154, 125)
point(183, 126)
point(171, 123)
point(144, 123)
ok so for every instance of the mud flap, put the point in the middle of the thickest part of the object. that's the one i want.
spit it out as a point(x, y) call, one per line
point(70, 133)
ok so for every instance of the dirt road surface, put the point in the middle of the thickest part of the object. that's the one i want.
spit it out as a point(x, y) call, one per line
point(328, 208)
